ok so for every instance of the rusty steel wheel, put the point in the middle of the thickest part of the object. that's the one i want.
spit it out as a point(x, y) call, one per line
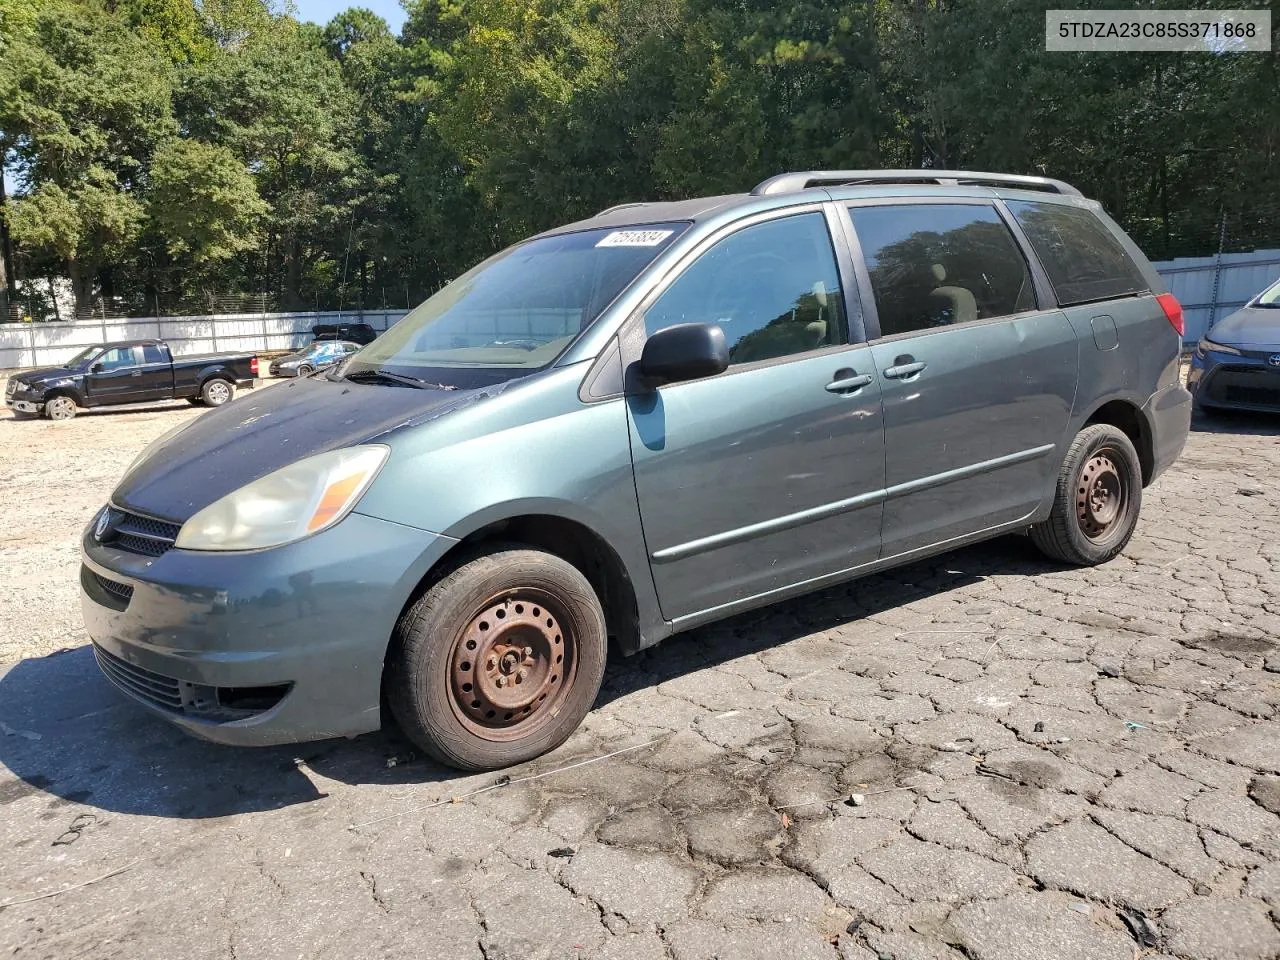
point(499, 660)
point(512, 665)
point(1096, 500)
point(1100, 495)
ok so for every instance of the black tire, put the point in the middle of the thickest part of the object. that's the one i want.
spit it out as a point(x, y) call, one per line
point(482, 622)
point(195, 401)
point(216, 391)
point(306, 370)
point(1097, 499)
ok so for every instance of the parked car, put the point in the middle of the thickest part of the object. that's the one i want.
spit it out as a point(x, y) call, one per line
point(630, 426)
point(360, 333)
point(1236, 365)
point(313, 357)
point(131, 371)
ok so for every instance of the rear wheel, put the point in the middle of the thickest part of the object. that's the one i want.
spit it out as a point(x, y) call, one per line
point(60, 408)
point(499, 661)
point(216, 392)
point(1097, 500)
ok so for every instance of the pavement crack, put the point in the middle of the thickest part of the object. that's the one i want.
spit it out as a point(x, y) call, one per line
point(377, 896)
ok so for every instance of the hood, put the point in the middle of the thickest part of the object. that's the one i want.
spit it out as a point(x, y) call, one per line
point(1252, 327)
point(45, 376)
point(236, 444)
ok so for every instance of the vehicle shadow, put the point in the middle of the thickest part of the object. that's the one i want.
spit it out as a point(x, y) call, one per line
point(1236, 421)
point(66, 731)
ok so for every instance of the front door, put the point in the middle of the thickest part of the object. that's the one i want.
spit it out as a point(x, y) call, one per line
point(769, 474)
point(116, 377)
point(978, 381)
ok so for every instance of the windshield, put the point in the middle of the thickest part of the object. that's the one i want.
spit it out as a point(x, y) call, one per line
point(84, 356)
point(1270, 297)
point(517, 311)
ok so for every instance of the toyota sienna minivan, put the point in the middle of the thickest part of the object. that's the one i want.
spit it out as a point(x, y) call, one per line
point(630, 426)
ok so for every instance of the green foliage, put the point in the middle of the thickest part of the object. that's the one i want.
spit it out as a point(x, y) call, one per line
point(166, 149)
point(204, 202)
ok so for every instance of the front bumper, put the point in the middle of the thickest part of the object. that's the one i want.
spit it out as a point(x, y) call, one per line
point(261, 647)
point(25, 406)
point(1246, 382)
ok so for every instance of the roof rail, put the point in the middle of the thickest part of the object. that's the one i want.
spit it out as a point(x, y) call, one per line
point(790, 182)
point(621, 206)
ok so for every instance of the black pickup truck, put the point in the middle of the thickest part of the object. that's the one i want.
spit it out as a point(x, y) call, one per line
point(132, 371)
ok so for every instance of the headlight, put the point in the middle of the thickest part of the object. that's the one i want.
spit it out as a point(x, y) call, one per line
point(294, 502)
point(1210, 346)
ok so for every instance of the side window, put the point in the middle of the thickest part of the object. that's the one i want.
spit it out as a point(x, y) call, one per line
point(118, 357)
point(772, 287)
point(936, 264)
point(1083, 258)
point(151, 353)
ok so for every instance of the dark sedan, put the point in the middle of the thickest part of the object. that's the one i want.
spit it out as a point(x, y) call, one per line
point(1237, 363)
point(315, 356)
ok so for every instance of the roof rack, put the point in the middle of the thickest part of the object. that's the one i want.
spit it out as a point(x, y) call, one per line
point(622, 206)
point(791, 182)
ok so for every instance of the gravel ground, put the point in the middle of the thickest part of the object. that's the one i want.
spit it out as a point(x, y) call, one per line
point(1047, 763)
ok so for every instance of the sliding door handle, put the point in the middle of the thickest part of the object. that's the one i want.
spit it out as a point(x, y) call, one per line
point(901, 371)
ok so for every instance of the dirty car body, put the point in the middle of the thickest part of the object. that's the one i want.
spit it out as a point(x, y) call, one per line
point(854, 397)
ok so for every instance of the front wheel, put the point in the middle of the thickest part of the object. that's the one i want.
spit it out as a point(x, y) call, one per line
point(60, 408)
point(216, 392)
point(1097, 499)
point(499, 661)
point(306, 370)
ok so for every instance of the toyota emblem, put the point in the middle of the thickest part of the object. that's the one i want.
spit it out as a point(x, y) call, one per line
point(100, 528)
point(1274, 359)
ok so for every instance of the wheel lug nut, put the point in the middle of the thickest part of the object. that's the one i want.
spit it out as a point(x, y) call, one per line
point(492, 663)
point(521, 675)
point(502, 681)
point(528, 651)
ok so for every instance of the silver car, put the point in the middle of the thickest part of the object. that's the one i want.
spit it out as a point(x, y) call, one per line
point(1237, 363)
point(313, 357)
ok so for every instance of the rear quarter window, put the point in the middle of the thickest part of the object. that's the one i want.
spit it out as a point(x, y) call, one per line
point(1084, 260)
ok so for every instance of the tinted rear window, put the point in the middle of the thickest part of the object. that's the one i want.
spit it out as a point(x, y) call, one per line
point(1083, 258)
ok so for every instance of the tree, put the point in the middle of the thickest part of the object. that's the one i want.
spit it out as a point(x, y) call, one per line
point(82, 105)
point(280, 104)
point(204, 203)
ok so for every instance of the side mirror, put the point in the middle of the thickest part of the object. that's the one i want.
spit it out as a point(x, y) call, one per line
point(686, 351)
point(96, 368)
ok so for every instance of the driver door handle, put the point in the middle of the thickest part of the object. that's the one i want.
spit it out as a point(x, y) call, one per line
point(848, 381)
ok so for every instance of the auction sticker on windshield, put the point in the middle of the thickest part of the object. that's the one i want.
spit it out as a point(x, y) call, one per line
point(634, 238)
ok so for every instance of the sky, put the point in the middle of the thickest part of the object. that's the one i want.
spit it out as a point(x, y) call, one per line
point(322, 11)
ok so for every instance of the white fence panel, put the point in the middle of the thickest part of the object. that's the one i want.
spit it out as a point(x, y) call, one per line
point(25, 345)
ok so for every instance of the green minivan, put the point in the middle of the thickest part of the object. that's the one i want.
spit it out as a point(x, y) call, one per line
point(630, 426)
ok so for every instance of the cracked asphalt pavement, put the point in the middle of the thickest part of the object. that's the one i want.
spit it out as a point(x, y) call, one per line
point(980, 756)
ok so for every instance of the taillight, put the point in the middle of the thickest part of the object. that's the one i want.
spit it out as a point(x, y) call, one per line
point(1172, 311)
point(253, 364)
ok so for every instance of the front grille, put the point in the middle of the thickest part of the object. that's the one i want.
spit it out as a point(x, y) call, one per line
point(1249, 385)
point(105, 591)
point(158, 690)
point(138, 534)
point(121, 591)
point(214, 704)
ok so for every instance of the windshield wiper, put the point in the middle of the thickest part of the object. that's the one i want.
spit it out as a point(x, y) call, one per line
point(399, 379)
